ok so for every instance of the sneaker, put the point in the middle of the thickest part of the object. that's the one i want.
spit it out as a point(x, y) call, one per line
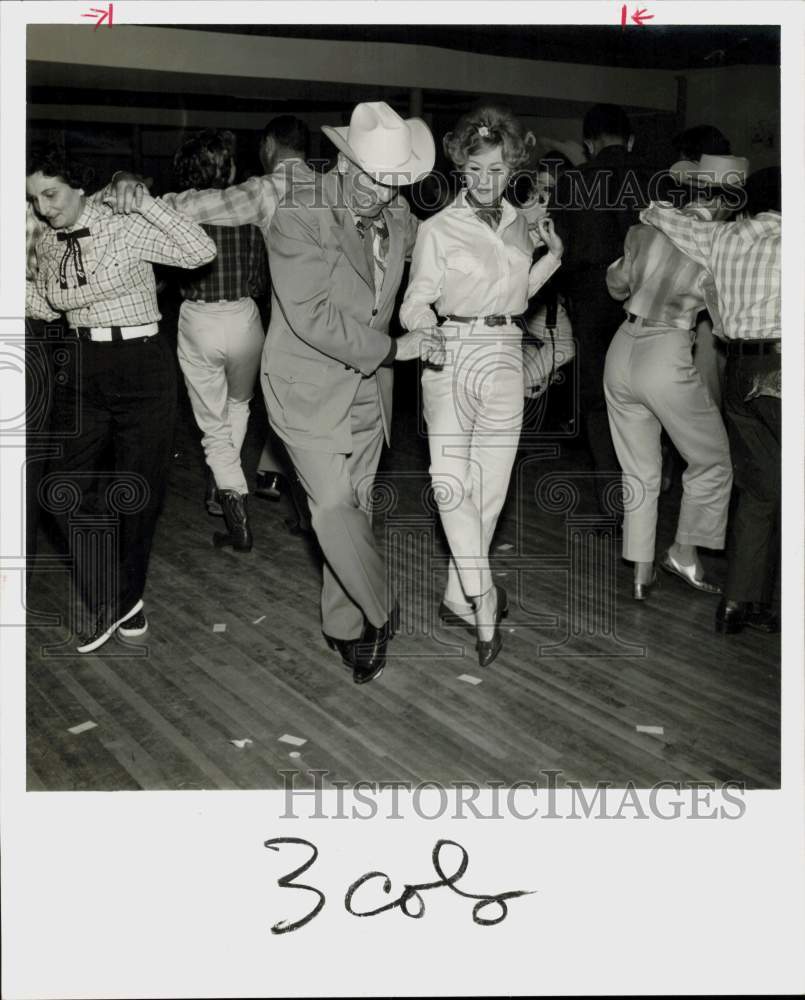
point(136, 625)
point(104, 628)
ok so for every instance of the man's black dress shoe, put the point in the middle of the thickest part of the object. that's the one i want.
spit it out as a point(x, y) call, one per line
point(269, 485)
point(734, 616)
point(730, 617)
point(346, 647)
point(370, 650)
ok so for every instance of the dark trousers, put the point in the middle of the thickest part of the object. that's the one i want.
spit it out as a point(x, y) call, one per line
point(42, 340)
point(754, 428)
point(595, 317)
point(107, 488)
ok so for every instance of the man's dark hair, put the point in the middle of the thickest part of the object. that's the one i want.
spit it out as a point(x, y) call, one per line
point(289, 132)
point(50, 159)
point(694, 142)
point(764, 191)
point(606, 119)
point(205, 160)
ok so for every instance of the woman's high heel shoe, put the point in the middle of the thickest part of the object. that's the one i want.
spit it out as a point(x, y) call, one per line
point(641, 591)
point(449, 617)
point(488, 649)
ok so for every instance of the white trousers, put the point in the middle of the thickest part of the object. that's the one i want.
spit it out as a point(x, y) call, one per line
point(473, 407)
point(650, 383)
point(219, 348)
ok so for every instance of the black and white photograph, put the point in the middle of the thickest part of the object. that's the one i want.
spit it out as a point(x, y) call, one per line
point(396, 437)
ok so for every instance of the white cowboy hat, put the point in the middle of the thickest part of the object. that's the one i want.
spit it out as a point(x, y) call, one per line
point(391, 149)
point(713, 170)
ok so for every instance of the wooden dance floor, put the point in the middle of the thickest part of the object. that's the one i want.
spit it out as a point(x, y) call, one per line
point(235, 653)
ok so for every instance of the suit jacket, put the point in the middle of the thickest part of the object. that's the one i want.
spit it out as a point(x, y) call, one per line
point(326, 333)
point(596, 204)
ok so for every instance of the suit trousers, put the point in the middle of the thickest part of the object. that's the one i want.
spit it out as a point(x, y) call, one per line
point(219, 348)
point(754, 426)
point(124, 393)
point(595, 317)
point(473, 407)
point(339, 489)
point(650, 383)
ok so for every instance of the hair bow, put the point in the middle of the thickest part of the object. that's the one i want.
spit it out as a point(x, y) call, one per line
point(483, 131)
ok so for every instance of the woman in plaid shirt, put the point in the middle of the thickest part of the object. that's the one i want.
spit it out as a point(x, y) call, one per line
point(115, 413)
point(221, 335)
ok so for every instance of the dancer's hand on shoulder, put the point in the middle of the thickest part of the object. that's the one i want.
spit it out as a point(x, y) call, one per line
point(125, 193)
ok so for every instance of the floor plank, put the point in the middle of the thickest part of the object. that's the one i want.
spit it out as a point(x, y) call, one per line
point(168, 706)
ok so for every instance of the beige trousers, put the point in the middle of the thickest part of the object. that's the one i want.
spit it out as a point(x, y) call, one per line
point(650, 383)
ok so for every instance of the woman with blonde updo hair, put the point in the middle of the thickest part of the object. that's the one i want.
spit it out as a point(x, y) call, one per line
point(472, 272)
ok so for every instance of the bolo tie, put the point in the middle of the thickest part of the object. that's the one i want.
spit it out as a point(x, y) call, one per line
point(72, 250)
point(365, 228)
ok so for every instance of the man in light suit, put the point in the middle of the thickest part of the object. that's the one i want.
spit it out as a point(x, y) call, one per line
point(337, 251)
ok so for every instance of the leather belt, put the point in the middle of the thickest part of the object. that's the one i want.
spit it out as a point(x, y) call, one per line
point(107, 334)
point(753, 348)
point(645, 321)
point(499, 320)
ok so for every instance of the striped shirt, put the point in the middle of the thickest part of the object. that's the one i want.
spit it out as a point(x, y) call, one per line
point(744, 260)
point(239, 271)
point(103, 276)
point(657, 281)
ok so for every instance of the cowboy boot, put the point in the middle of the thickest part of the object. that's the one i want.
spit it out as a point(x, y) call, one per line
point(236, 518)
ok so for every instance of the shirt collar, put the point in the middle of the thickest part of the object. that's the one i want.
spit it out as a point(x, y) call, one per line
point(508, 213)
point(85, 217)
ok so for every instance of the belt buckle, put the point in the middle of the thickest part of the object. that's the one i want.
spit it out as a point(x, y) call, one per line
point(495, 320)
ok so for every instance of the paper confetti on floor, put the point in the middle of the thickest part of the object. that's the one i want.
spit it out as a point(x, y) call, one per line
point(240, 744)
point(469, 678)
point(505, 546)
point(293, 740)
point(294, 753)
point(257, 621)
point(218, 627)
point(82, 728)
point(653, 730)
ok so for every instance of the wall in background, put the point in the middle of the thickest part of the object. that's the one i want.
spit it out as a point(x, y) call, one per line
point(742, 101)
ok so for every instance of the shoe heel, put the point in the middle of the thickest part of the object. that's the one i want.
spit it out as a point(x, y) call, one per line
point(331, 642)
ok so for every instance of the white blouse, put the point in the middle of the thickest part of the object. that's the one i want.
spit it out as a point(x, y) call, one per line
point(465, 268)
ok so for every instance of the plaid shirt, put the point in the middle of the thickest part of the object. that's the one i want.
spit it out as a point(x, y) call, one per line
point(744, 259)
point(254, 201)
point(239, 271)
point(107, 270)
point(34, 227)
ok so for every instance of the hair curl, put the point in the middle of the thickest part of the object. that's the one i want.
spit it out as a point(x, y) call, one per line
point(487, 127)
point(50, 159)
point(205, 160)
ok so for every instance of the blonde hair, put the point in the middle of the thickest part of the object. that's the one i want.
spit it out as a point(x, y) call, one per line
point(486, 127)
